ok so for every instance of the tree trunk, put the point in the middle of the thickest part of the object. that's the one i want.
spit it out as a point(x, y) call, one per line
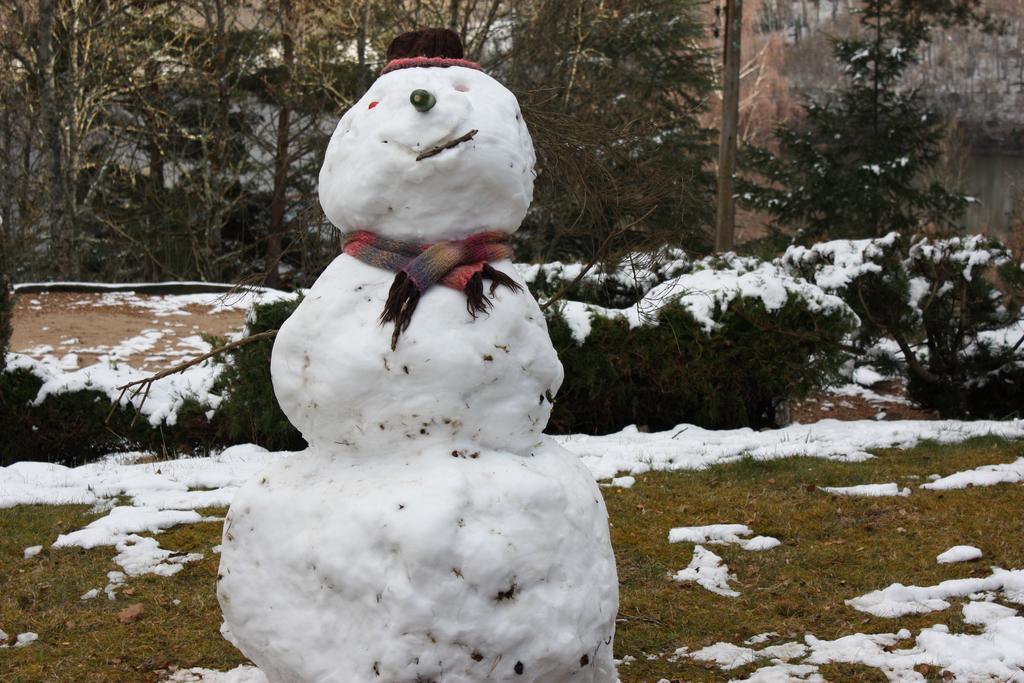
point(277, 203)
point(726, 224)
point(453, 15)
point(73, 86)
point(363, 30)
point(7, 190)
point(51, 128)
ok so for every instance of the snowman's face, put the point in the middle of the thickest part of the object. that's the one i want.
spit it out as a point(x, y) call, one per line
point(371, 178)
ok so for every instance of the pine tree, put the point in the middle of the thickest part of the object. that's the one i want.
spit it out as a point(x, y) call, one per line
point(855, 165)
point(613, 93)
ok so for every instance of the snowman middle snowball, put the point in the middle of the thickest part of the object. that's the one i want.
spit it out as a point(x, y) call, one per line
point(488, 379)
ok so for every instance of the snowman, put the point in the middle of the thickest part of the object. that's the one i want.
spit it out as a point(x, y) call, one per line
point(430, 532)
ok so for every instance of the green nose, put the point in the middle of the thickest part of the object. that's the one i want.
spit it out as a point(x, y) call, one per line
point(423, 100)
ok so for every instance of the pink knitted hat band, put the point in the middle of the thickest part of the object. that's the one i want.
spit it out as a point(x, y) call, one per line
point(408, 62)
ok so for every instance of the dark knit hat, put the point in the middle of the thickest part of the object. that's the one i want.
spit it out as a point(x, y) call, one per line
point(427, 47)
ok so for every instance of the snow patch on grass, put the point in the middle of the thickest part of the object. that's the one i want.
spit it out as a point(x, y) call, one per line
point(708, 571)
point(240, 674)
point(898, 600)
point(729, 656)
point(986, 475)
point(959, 553)
point(122, 523)
point(25, 639)
point(997, 653)
point(869, 490)
point(688, 447)
point(722, 534)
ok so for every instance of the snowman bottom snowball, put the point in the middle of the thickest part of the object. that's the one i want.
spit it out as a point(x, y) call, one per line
point(428, 566)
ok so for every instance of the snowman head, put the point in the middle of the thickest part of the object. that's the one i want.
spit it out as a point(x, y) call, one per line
point(435, 150)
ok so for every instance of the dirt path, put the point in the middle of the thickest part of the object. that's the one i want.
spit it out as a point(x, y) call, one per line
point(884, 401)
point(146, 331)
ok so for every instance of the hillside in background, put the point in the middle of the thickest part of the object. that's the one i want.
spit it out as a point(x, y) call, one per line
point(973, 78)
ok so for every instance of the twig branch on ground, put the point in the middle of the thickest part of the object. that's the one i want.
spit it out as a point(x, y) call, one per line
point(144, 385)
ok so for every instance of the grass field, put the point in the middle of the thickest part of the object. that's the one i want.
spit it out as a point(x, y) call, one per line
point(833, 548)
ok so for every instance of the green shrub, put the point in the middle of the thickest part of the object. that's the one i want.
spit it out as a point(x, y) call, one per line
point(738, 368)
point(957, 335)
point(249, 411)
point(77, 427)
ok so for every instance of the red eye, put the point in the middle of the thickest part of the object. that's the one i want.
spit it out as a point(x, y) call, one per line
point(372, 104)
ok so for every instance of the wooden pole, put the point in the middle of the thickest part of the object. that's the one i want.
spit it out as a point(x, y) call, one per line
point(725, 227)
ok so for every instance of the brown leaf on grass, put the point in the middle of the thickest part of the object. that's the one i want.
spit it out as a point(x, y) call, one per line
point(130, 613)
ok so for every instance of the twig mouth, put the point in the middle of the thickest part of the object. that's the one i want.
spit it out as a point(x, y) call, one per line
point(433, 151)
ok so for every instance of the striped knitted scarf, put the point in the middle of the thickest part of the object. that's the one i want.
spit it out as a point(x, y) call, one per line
point(459, 264)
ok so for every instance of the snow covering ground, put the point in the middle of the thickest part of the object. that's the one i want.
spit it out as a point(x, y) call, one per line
point(995, 653)
point(241, 674)
point(185, 484)
point(142, 496)
point(708, 571)
point(165, 493)
point(986, 475)
point(688, 447)
point(897, 599)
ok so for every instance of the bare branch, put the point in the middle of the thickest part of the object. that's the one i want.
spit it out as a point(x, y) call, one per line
point(143, 385)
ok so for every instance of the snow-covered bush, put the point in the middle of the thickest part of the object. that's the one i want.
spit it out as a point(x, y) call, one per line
point(859, 271)
point(948, 309)
point(719, 343)
point(617, 286)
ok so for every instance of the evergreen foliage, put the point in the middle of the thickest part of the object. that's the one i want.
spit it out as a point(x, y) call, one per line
point(658, 376)
point(938, 301)
point(671, 368)
point(856, 165)
point(612, 94)
point(249, 411)
point(78, 427)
